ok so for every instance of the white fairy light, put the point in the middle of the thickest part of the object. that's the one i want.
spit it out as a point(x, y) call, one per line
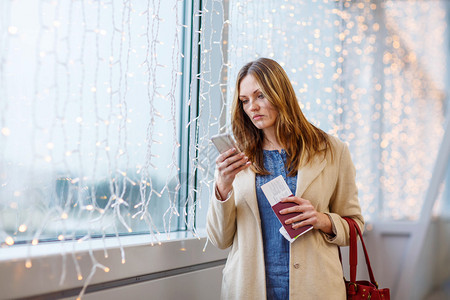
point(104, 105)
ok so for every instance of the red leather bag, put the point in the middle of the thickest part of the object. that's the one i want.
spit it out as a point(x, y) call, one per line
point(361, 289)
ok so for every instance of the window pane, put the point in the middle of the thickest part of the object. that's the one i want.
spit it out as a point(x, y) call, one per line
point(89, 118)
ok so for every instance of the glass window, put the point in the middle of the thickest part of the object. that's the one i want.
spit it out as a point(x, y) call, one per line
point(89, 118)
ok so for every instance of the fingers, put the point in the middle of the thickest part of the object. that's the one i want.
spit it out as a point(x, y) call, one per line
point(228, 164)
point(302, 220)
point(225, 180)
point(303, 205)
point(222, 157)
point(305, 213)
point(244, 166)
point(294, 199)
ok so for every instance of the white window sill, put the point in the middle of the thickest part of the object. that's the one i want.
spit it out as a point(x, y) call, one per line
point(51, 260)
point(24, 251)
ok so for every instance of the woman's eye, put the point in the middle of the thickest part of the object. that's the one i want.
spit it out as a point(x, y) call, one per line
point(261, 96)
point(244, 101)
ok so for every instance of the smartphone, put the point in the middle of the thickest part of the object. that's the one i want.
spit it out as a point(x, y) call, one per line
point(224, 142)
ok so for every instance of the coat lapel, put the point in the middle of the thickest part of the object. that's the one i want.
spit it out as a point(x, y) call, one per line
point(246, 181)
point(308, 173)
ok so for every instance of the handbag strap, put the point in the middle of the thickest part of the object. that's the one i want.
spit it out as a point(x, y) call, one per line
point(354, 232)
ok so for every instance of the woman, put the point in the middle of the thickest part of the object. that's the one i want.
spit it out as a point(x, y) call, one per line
point(276, 139)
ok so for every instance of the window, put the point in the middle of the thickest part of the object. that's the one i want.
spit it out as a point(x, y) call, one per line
point(90, 121)
point(101, 135)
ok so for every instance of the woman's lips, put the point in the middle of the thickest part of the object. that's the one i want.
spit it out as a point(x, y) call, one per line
point(257, 117)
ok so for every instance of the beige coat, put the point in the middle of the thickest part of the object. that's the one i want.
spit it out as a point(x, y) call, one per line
point(315, 269)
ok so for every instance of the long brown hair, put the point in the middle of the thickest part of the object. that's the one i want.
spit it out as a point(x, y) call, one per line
point(301, 140)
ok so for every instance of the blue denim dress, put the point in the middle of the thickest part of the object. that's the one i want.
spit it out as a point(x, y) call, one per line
point(276, 247)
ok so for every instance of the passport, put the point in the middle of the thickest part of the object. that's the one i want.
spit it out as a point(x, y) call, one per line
point(293, 233)
point(275, 190)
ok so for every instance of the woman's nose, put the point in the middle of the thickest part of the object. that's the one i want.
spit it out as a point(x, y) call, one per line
point(253, 105)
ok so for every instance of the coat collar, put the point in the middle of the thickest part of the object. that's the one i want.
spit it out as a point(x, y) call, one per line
point(308, 173)
point(305, 176)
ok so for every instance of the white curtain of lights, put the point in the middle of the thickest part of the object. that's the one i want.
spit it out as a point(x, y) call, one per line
point(371, 72)
point(93, 106)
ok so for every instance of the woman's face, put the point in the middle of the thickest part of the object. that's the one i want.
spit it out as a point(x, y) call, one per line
point(262, 113)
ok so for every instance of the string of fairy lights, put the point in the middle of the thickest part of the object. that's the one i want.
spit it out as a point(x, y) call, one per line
point(94, 108)
point(362, 71)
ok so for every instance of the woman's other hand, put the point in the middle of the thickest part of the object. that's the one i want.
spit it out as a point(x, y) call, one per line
point(229, 164)
point(307, 215)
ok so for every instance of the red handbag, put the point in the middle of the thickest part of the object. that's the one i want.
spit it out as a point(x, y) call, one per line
point(361, 289)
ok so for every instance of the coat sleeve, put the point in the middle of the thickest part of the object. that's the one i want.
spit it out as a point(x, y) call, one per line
point(344, 201)
point(221, 221)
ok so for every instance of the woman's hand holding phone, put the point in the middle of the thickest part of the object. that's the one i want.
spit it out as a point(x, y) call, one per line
point(229, 163)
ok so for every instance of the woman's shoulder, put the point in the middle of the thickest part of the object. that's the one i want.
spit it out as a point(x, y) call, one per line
point(335, 142)
point(337, 146)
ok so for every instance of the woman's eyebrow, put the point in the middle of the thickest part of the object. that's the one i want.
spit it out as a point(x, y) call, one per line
point(254, 92)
